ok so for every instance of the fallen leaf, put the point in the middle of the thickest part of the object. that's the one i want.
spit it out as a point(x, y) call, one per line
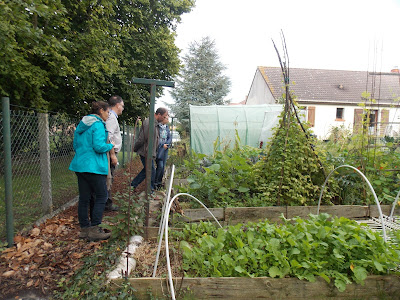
point(77, 255)
point(18, 239)
point(30, 283)
point(47, 245)
point(8, 273)
point(35, 231)
point(51, 228)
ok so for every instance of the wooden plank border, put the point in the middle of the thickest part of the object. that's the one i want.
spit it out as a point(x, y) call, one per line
point(235, 288)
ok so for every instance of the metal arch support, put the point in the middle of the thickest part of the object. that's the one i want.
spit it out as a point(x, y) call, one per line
point(394, 204)
point(166, 236)
point(370, 186)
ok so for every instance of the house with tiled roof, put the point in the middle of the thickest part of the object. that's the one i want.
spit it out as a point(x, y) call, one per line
point(332, 98)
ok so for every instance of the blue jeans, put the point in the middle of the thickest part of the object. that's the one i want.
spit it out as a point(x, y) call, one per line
point(160, 171)
point(89, 183)
point(142, 174)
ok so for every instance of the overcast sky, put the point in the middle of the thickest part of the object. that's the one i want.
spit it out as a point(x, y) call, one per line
point(359, 35)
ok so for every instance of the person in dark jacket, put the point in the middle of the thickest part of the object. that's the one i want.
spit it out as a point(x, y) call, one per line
point(165, 140)
point(141, 146)
point(91, 165)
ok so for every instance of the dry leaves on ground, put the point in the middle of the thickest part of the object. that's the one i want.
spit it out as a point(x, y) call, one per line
point(51, 251)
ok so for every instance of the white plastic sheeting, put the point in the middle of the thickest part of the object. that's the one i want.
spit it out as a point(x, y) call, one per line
point(253, 123)
point(271, 120)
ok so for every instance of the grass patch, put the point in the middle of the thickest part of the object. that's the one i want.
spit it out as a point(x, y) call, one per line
point(26, 191)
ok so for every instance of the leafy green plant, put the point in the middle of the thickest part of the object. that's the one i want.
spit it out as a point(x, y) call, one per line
point(89, 282)
point(130, 217)
point(378, 162)
point(290, 174)
point(225, 178)
point(336, 249)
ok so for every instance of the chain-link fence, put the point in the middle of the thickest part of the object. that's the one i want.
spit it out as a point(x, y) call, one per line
point(128, 134)
point(41, 150)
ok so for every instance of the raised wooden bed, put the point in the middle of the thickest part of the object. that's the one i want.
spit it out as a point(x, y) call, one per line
point(375, 287)
point(232, 288)
point(234, 215)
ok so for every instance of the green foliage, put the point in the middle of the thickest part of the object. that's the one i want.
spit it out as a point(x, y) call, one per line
point(61, 55)
point(378, 161)
point(224, 179)
point(337, 249)
point(130, 217)
point(3, 246)
point(201, 81)
point(290, 173)
point(89, 282)
point(32, 50)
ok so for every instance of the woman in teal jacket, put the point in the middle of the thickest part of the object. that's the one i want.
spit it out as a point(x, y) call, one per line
point(91, 164)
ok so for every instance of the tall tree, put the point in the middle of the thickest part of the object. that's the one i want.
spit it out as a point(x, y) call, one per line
point(63, 54)
point(201, 81)
point(30, 51)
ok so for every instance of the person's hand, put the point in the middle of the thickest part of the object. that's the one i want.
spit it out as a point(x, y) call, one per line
point(114, 160)
point(165, 146)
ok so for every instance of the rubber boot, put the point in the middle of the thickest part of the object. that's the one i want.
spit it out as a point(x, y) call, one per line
point(84, 233)
point(97, 233)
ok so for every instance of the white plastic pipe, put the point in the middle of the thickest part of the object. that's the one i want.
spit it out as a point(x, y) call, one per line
point(394, 204)
point(166, 237)
point(162, 221)
point(370, 186)
point(166, 200)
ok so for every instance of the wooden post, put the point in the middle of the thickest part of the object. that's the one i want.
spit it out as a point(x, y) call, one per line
point(153, 85)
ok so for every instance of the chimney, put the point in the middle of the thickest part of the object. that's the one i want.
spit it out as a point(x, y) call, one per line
point(395, 70)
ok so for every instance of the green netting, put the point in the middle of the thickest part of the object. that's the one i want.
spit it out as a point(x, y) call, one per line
point(253, 123)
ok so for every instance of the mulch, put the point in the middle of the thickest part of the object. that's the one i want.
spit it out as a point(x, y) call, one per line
point(51, 251)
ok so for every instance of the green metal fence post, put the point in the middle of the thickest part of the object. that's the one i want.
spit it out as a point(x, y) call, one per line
point(8, 170)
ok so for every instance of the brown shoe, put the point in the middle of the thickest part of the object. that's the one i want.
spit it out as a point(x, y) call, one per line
point(97, 233)
point(84, 233)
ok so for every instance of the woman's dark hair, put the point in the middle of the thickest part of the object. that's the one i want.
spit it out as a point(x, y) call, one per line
point(97, 105)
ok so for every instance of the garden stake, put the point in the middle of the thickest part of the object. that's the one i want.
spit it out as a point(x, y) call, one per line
point(285, 72)
point(153, 85)
point(130, 199)
point(289, 105)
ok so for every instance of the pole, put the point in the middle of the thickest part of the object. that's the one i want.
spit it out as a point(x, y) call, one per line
point(8, 171)
point(172, 130)
point(123, 144)
point(150, 142)
point(153, 86)
point(45, 167)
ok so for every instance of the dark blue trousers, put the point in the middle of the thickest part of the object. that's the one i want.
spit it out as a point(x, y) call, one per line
point(142, 174)
point(159, 172)
point(88, 184)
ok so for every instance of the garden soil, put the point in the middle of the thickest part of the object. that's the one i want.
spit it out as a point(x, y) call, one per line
point(51, 251)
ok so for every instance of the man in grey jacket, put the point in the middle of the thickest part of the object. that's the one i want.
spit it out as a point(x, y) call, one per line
point(141, 146)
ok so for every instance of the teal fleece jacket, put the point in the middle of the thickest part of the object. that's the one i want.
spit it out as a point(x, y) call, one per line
point(90, 145)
